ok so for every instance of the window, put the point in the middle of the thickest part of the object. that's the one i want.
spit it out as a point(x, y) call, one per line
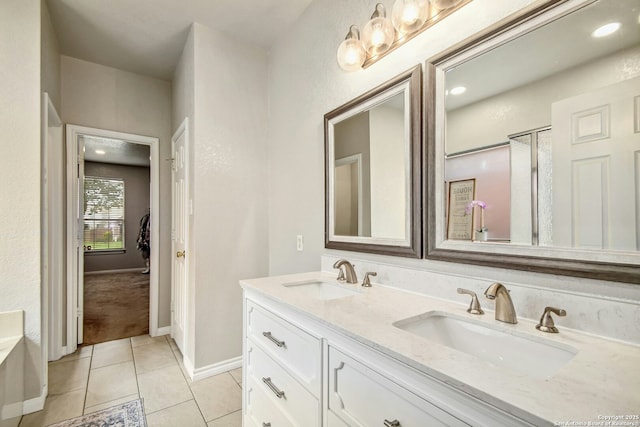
point(103, 214)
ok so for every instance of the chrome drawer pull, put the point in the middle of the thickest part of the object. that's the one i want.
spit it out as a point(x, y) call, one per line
point(266, 424)
point(274, 389)
point(394, 423)
point(273, 340)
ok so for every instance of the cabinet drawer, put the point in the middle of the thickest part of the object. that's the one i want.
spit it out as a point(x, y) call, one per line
point(289, 345)
point(260, 410)
point(360, 396)
point(285, 392)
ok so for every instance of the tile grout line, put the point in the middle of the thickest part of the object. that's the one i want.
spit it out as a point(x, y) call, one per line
point(188, 385)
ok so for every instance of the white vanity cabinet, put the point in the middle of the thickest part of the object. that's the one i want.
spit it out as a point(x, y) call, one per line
point(300, 372)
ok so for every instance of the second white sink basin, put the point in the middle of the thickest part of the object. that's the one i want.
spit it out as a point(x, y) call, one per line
point(527, 354)
point(322, 290)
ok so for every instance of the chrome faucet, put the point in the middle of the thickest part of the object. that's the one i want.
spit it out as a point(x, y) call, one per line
point(505, 312)
point(347, 273)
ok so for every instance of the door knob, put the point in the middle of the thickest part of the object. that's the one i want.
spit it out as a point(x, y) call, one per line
point(180, 254)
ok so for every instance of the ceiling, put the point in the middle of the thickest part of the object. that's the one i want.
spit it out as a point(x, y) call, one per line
point(115, 151)
point(147, 36)
point(544, 52)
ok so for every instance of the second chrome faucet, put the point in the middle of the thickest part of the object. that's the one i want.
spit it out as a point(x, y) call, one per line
point(346, 271)
point(505, 312)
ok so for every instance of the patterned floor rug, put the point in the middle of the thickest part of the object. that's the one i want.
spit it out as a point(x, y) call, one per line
point(130, 414)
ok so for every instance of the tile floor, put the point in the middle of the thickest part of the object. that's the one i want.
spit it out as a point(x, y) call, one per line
point(107, 374)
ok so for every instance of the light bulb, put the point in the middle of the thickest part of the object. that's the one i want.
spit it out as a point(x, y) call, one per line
point(378, 34)
point(351, 53)
point(408, 16)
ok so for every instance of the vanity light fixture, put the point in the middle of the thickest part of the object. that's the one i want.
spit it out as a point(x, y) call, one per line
point(351, 53)
point(101, 152)
point(381, 35)
point(606, 30)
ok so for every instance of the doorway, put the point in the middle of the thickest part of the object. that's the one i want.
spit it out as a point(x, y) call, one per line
point(101, 227)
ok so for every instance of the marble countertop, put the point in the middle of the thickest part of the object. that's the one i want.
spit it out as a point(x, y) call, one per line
point(602, 379)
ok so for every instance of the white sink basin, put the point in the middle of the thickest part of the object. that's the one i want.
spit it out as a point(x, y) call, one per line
point(531, 355)
point(322, 290)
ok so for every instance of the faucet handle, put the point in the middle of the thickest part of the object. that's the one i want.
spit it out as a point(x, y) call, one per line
point(546, 321)
point(474, 307)
point(341, 275)
point(366, 282)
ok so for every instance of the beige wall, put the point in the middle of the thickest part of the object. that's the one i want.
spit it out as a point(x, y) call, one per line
point(20, 176)
point(229, 187)
point(107, 98)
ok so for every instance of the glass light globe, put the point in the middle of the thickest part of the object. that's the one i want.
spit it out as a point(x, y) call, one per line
point(408, 16)
point(351, 54)
point(378, 34)
point(445, 4)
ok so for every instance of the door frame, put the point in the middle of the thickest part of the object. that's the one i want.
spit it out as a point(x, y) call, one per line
point(74, 244)
point(52, 199)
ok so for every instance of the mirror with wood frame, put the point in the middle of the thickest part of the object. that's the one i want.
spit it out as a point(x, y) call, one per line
point(533, 143)
point(373, 170)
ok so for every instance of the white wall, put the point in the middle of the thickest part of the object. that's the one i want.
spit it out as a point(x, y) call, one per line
point(20, 176)
point(305, 82)
point(227, 101)
point(107, 98)
point(529, 107)
point(388, 177)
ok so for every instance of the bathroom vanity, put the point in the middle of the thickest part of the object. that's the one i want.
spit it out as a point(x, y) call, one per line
point(322, 353)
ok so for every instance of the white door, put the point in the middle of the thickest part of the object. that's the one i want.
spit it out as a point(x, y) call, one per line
point(179, 230)
point(596, 168)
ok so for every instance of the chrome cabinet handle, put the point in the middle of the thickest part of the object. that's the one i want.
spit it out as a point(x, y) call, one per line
point(394, 423)
point(273, 340)
point(274, 389)
point(266, 424)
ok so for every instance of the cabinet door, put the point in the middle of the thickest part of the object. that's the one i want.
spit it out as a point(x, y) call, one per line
point(297, 351)
point(360, 396)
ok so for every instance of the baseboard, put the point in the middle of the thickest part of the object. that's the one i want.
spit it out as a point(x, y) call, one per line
point(215, 369)
point(165, 330)
point(36, 404)
point(123, 270)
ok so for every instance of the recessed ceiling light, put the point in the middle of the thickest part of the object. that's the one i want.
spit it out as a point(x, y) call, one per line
point(606, 30)
point(101, 152)
point(459, 90)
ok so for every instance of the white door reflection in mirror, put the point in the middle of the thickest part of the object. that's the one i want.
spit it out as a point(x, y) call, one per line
point(596, 170)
